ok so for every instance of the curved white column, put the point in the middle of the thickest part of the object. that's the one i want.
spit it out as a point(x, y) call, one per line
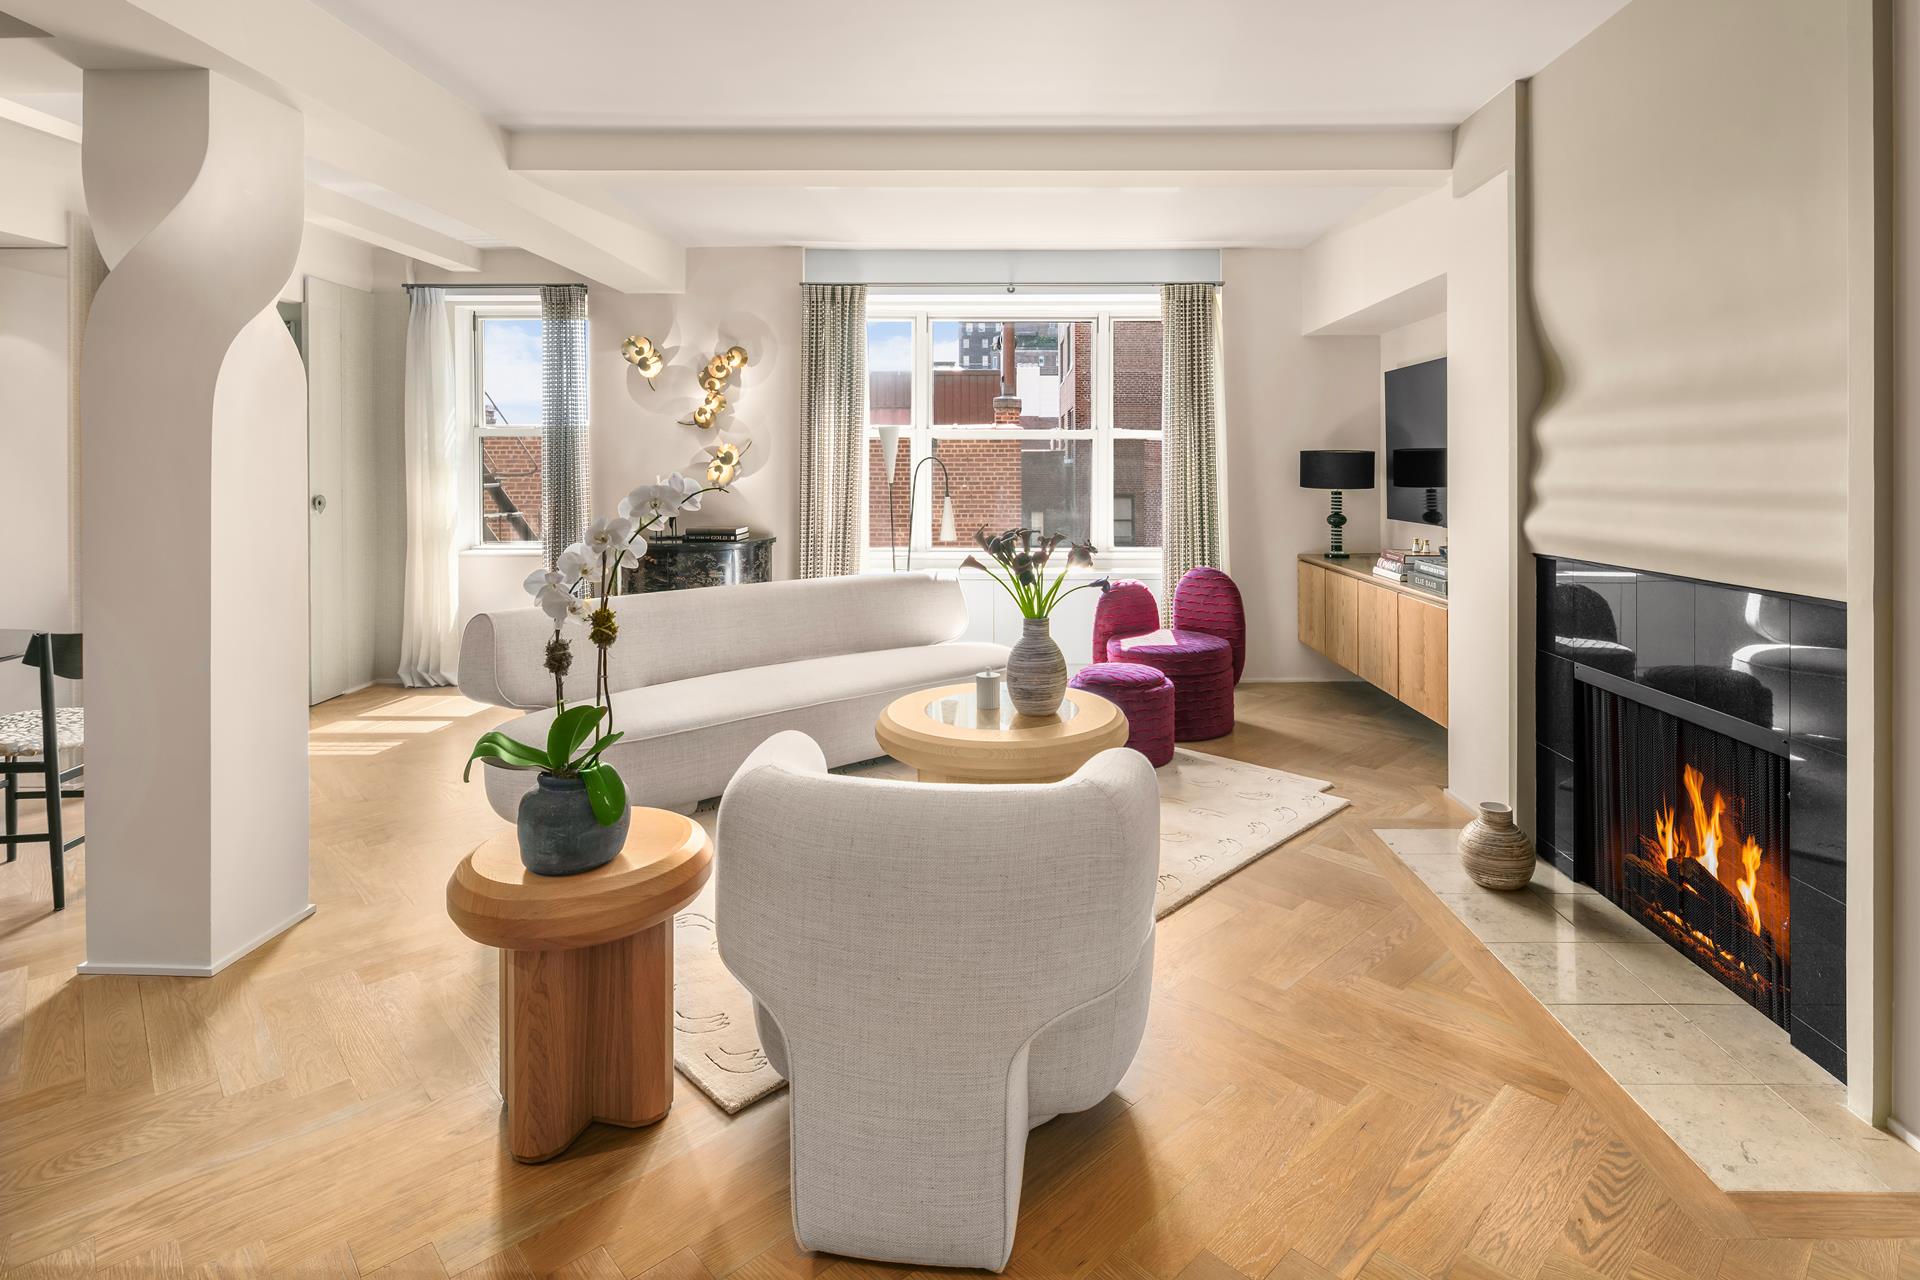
point(193, 559)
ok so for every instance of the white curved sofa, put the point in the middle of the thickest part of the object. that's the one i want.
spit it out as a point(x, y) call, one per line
point(700, 678)
point(936, 968)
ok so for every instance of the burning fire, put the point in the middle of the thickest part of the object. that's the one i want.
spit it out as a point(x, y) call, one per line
point(1713, 830)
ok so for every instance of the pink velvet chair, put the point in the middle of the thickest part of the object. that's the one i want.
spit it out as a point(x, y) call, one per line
point(1208, 601)
point(1203, 663)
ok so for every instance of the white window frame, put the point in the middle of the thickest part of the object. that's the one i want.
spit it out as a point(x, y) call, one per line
point(470, 374)
point(1102, 309)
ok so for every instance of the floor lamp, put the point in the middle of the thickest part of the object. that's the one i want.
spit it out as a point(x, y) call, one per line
point(890, 445)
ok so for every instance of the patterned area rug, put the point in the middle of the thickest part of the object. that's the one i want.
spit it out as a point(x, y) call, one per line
point(1216, 816)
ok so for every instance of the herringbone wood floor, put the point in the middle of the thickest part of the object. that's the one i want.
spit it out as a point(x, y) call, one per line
point(1337, 1081)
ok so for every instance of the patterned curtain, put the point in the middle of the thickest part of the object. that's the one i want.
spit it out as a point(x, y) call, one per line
point(1190, 417)
point(833, 428)
point(565, 466)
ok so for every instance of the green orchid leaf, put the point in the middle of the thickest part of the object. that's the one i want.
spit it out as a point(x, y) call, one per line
point(569, 729)
point(593, 752)
point(496, 748)
point(606, 792)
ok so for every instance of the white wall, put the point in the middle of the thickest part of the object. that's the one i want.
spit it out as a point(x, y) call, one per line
point(1378, 273)
point(41, 187)
point(746, 296)
point(1413, 343)
point(1484, 608)
point(1689, 245)
point(1902, 689)
point(749, 297)
point(1286, 392)
point(1453, 251)
point(34, 591)
point(331, 256)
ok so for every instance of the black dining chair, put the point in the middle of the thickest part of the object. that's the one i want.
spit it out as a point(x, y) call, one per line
point(30, 745)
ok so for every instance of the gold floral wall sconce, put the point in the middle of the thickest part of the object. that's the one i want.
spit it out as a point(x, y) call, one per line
point(726, 460)
point(714, 378)
point(640, 352)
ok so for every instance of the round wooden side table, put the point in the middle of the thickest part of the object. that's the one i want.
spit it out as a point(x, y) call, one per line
point(586, 977)
point(946, 735)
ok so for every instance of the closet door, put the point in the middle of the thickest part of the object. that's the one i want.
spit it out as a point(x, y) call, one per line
point(342, 520)
point(326, 540)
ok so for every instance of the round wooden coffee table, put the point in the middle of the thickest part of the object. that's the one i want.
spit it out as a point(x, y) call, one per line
point(586, 977)
point(945, 735)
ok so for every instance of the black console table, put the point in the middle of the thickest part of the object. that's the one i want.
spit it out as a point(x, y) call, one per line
point(674, 564)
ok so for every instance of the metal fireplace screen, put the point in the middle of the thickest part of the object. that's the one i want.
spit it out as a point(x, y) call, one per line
point(1686, 829)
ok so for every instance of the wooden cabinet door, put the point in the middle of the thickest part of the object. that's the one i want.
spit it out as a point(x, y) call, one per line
point(1423, 658)
point(1342, 604)
point(1379, 636)
point(1311, 608)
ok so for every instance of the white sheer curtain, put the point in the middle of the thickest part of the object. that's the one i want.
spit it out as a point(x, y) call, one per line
point(429, 626)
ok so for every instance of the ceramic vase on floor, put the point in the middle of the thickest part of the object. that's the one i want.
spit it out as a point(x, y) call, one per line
point(1495, 853)
point(1036, 670)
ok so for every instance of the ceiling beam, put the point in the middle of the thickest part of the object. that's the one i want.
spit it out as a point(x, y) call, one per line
point(992, 157)
point(369, 113)
point(350, 217)
point(38, 120)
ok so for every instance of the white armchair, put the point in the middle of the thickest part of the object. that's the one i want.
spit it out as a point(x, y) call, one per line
point(935, 969)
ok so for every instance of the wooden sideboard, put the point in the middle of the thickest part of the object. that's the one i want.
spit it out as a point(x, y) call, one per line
point(1390, 635)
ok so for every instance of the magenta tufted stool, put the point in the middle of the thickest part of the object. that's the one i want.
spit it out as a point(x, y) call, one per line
point(1126, 630)
point(1144, 695)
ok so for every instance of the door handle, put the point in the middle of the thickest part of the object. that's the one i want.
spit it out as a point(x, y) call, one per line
point(319, 504)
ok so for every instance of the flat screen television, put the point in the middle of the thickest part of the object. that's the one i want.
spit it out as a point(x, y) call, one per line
point(1417, 443)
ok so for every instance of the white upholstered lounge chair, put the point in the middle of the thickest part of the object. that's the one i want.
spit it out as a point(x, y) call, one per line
point(936, 969)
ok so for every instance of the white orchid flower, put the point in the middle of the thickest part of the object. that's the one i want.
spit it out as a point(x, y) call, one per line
point(648, 503)
point(578, 609)
point(556, 603)
point(605, 536)
point(543, 578)
point(620, 558)
point(685, 490)
point(575, 562)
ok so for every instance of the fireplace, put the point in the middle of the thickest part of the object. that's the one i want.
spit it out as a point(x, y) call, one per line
point(1685, 812)
point(1692, 768)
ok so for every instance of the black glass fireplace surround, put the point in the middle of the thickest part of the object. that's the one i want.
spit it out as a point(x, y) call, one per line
point(1752, 688)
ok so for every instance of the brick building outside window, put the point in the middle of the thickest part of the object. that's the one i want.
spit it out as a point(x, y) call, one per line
point(1045, 410)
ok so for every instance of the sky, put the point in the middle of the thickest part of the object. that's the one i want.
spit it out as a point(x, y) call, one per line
point(511, 368)
point(889, 346)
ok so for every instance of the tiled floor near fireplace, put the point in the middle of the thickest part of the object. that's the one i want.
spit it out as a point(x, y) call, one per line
point(1717, 1074)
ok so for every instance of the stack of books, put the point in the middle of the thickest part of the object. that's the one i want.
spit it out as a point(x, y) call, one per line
point(1392, 565)
point(714, 533)
point(1429, 573)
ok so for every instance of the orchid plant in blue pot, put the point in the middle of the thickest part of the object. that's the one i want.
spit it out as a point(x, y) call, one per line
point(575, 818)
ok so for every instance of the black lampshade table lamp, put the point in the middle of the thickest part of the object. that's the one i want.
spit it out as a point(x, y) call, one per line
point(1420, 469)
point(1336, 469)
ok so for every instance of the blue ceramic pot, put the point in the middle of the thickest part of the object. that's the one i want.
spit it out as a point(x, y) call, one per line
point(559, 836)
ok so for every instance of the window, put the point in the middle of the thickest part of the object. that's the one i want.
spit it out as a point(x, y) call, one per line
point(1044, 412)
point(505, 411)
